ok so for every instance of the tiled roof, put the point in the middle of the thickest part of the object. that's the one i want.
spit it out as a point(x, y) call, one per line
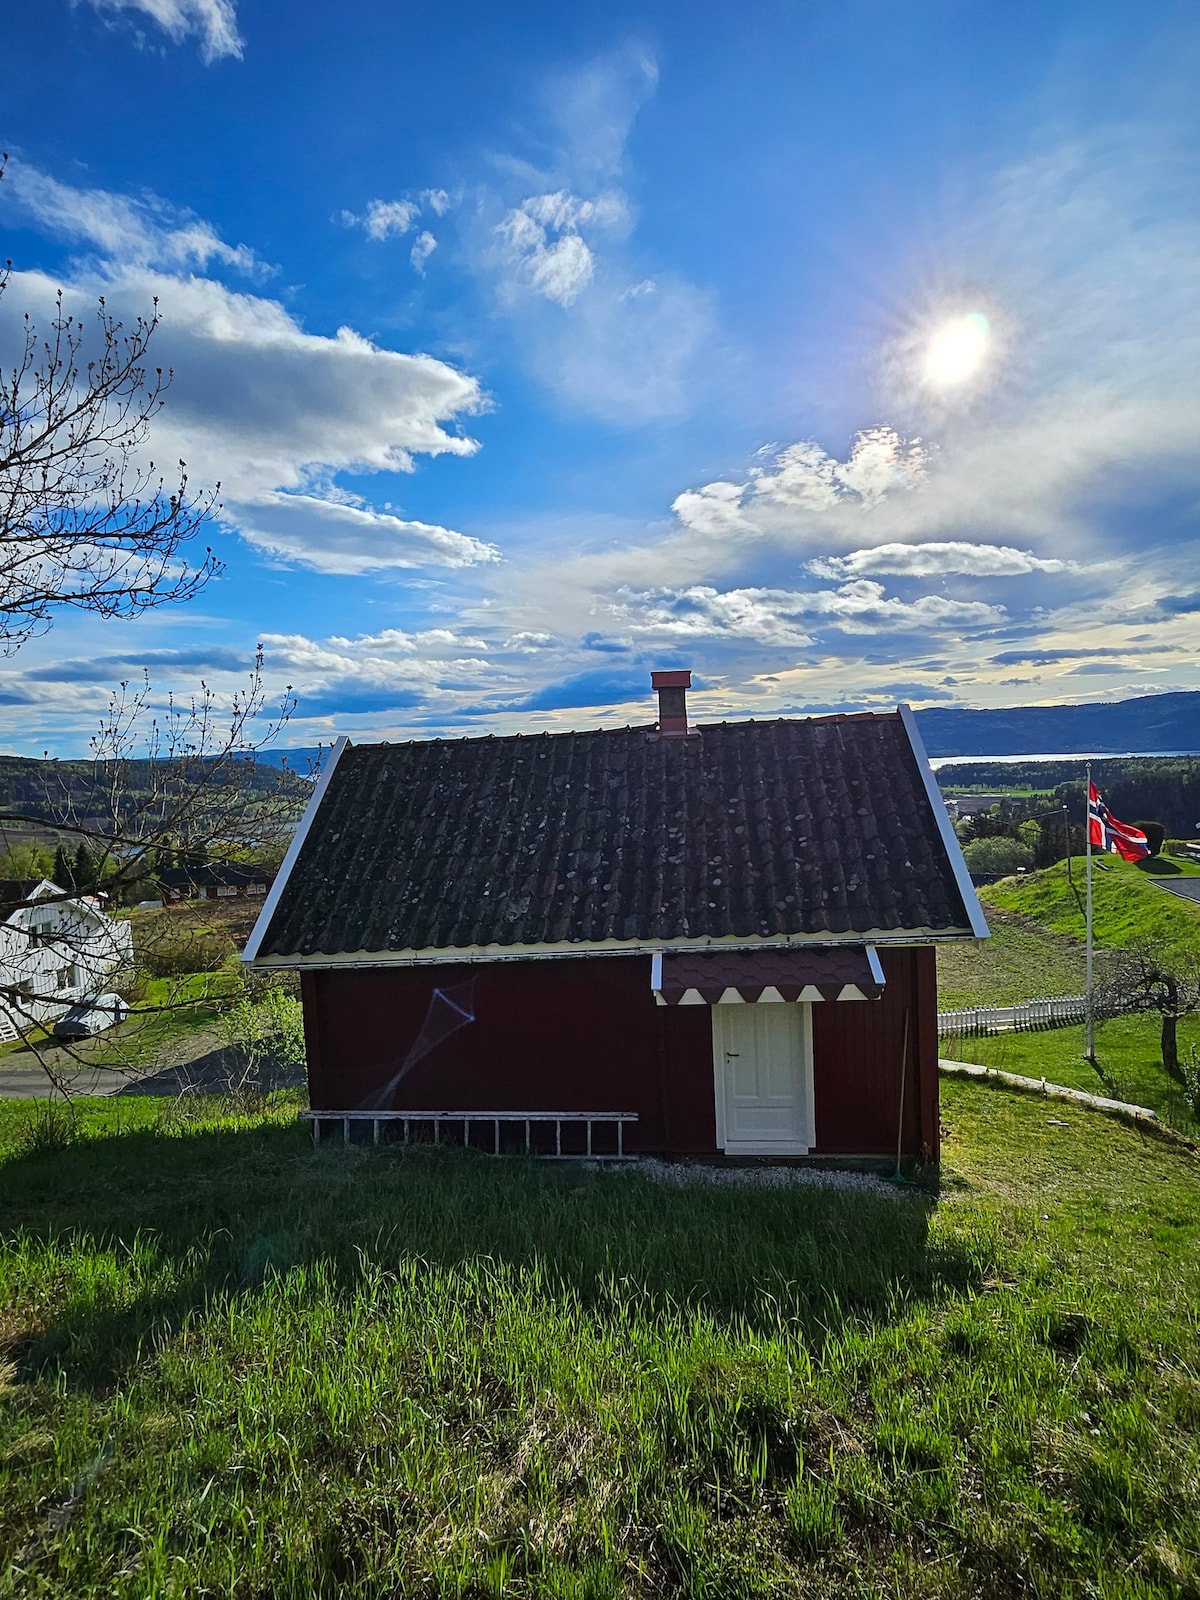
point(826, 974)
point(820, 826)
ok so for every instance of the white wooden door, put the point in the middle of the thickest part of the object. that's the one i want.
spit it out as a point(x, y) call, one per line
point(762, 1061)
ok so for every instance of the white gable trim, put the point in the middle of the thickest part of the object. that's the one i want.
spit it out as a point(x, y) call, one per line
point(941, 816)
point(263, 921)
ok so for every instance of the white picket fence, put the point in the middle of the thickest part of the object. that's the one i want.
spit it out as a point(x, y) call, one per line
point(1055, 1012)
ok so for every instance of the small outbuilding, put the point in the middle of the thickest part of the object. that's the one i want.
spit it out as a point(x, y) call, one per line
point(696, 942)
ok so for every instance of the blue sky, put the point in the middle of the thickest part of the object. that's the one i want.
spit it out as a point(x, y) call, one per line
point(841, 352)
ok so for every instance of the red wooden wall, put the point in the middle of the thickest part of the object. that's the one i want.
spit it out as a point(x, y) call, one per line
point(586, 1035)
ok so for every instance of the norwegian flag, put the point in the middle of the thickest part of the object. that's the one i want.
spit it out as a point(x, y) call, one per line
point(1106, 833)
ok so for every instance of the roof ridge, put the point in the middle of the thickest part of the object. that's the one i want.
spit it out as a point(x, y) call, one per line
point(622, 732)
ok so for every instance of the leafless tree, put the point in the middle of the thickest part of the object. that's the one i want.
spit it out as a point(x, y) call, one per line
point(183, 783)
point(1146, 980)
point(83, 522)
point(88, 522)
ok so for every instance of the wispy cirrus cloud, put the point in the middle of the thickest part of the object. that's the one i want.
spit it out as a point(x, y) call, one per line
point(212, 22)
point(556, 241)
point(141, 230)
point(423, 247)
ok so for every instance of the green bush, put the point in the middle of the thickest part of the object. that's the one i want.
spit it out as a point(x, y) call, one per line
point(1155, 835)
point(1001, 855)
point(172, 951)
point(269, 1033)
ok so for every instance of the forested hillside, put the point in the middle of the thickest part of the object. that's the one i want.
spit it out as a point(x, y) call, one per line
point(1154, 788)
point(52, 791)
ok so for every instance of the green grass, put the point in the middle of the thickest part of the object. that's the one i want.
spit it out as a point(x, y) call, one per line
point(1127, 1053)
point(1128, 907)
point(241, 1367)
point(1021, 961)
point(1170, 867)
point(1036, 949)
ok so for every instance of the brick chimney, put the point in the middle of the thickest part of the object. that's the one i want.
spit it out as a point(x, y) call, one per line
point(672, 688)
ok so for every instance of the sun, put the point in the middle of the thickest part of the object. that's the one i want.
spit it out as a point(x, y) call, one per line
point(958, 350)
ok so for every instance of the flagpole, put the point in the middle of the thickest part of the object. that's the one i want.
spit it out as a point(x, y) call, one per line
point(1091, 1010)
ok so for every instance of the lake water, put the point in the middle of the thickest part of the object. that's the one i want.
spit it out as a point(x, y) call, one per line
point(1070, 755)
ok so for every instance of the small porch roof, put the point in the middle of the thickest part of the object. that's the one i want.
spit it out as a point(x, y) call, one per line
point(746, 977)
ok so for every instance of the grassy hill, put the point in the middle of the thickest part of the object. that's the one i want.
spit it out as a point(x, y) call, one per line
point(239, 1366)
point(1021, 961)
point(1037, 949)
point(1128, 906)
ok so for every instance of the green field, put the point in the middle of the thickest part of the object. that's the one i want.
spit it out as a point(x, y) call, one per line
point(241, 1367)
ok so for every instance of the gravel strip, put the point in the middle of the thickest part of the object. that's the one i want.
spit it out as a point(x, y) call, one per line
point(680, 1174)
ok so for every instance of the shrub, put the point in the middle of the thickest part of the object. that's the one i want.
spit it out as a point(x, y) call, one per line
point(1004, 856)
point(171, 951)
point(51, 1128)
point(1155, 835)
point(263, 1035)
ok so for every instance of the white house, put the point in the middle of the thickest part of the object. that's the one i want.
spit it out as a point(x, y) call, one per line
point(54, 952)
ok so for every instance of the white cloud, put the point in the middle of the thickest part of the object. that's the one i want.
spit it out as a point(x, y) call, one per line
point(936, 560)
point(804, 487)
point(604, 337)
point(213, 21)
point(332, 537)
point(141, 230)
point(438, 201)
point(556, 269)
point(561, 271)
point(269, 410)
point(421, 251)
point(388, 653)
point(772, 616)
point(262, 404)
point(527, 643)
point(385, 217)
point(387, 673)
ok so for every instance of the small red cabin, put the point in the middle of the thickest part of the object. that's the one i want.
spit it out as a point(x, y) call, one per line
point(722, 938)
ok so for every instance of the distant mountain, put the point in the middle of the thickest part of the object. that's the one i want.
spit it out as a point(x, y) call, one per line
point(1153, 724)
point(304, 759)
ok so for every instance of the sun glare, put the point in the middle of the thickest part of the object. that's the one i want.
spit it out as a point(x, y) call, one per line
point(957, 351)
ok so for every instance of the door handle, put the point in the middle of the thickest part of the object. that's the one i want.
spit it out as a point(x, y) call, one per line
point(732, 1055)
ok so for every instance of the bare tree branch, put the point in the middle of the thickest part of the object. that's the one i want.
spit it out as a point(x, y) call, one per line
point(85, 521)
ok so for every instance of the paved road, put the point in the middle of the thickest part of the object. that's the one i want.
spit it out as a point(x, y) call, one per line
point(198, 1064)
point(1189, 888)
point(27, 1081)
